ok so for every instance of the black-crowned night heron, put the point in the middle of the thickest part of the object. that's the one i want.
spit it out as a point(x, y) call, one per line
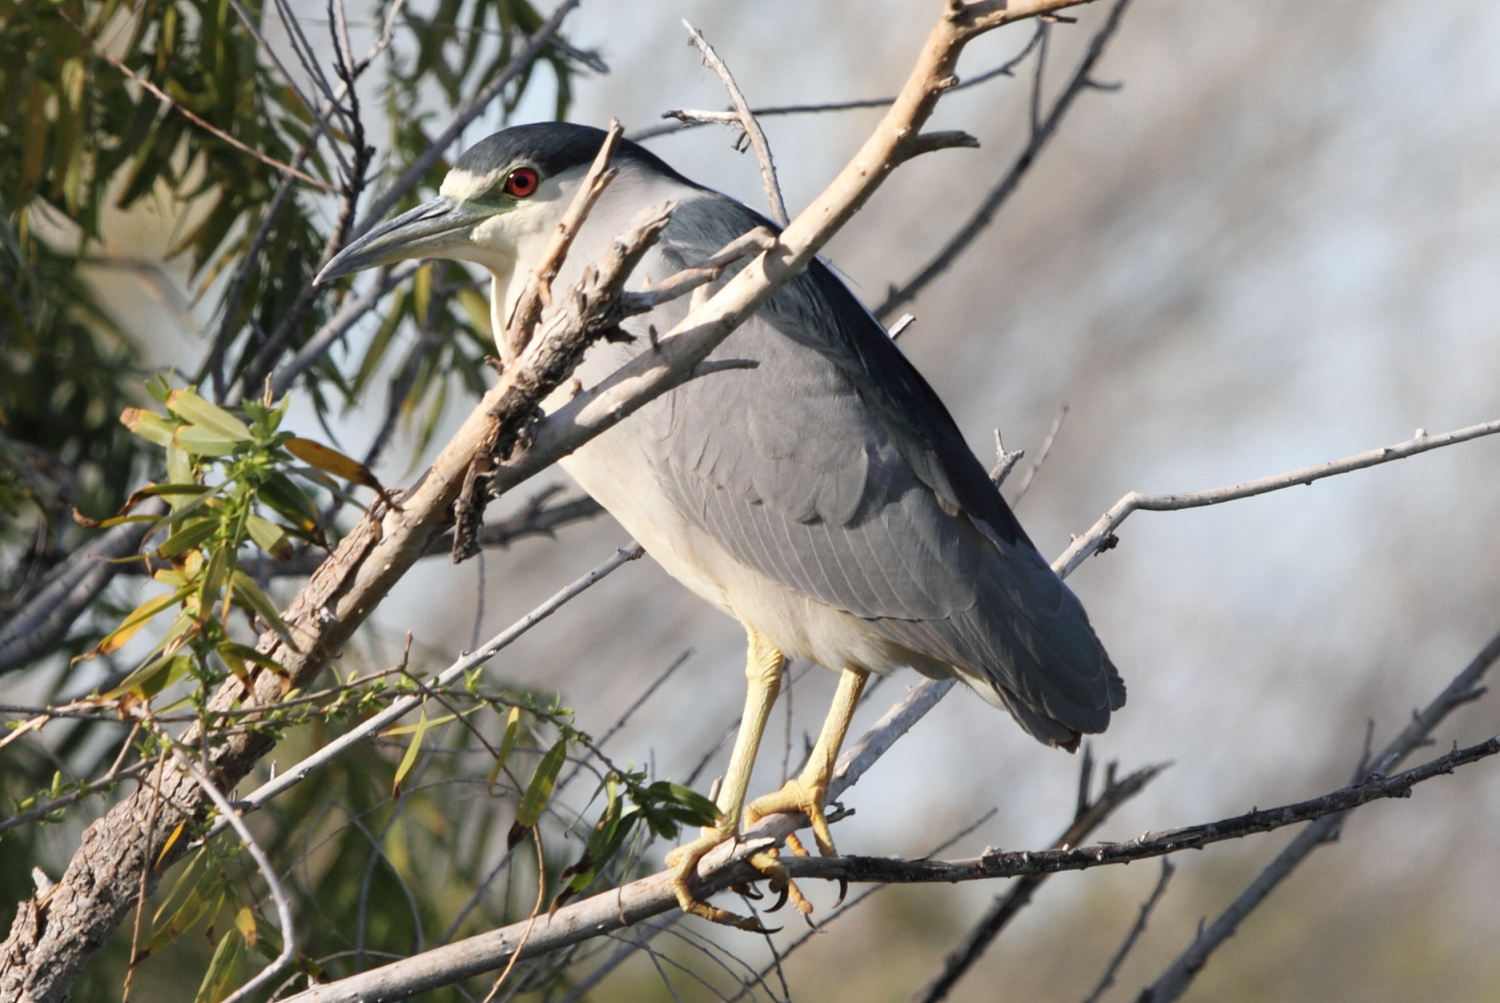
point(824, 498)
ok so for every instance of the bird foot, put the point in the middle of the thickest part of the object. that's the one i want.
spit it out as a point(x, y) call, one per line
point(684, 864)
point(802, 794)
point(768, 863)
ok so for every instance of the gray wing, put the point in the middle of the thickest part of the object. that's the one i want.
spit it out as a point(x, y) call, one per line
point(833, 469)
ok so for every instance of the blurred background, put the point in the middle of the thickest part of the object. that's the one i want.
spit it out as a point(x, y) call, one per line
point(1277, 243)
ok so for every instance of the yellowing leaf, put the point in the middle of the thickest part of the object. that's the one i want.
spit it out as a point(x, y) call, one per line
point(207, 416)
point(132, 624)
point(149, 426)
point(244, 921)
point(512, 729)
point(331, 461)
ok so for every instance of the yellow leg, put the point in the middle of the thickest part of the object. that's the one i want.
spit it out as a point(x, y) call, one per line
point(807, 792)
point(763, 670)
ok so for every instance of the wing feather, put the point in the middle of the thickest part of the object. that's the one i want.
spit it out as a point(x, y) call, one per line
point(833, 469)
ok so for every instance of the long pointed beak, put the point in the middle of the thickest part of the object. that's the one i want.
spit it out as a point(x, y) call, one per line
point(426, 232)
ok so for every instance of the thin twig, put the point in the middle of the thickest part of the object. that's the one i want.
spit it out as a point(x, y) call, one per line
point(1087, 816)
point(729, 865)
point(1004, 462)
point(262, 863)
point(1043, 132)
point(1136, 929)
point(108, 780)
point(746, 119)
point(688, 119)
point(143, 890)
point(253, 27)
point(350, 311)
point(1041, 456)
point(1464, 688)
point(398, 708)
point(1101, 535)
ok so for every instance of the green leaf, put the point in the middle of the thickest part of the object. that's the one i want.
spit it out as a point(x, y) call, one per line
point(289, 501)
point(411, 751)
point(512, 730)
point(269, 537)
point(204, 442)
point(245, 653)
point(696, 808)
point(155, 674)
point(195, 533)
point(538, 792)
point(224, 970)
point(148, 425)
point(249, 595)
point(208, 417)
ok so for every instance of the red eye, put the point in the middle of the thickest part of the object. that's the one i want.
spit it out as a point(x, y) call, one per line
point(521, 182)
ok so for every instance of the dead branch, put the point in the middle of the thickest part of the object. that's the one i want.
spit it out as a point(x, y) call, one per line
point(1136, 929)
point(1100, 535)
point(537, 293)
point(639, 900)
point(1089, 815)
point(745, 118)
point(1043, 129)
point(1464, 689)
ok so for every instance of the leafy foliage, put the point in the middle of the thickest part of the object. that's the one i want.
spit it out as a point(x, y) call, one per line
point(109, 108)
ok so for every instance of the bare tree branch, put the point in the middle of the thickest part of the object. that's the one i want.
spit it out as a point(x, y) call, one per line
point(1101, 535)
point(1041, 456)
point(1464, 689)
point(747, 124)
point(42, 623)
point(1042, 131)
point(650, 896)
point(690, 119)
point(1136, 929)
point(1089, 815)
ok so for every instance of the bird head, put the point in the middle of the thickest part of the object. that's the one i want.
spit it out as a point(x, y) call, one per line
point(500, 203)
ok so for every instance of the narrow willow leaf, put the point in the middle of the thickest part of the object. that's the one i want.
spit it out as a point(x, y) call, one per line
point(538, 792)
point(189, 537)
point(249, 595)
point(207, 416)
point(246, 653)
point(269, 537)
point(138, 618)
point(512, 729)
point(331, 461)
point(224, 970)
point(289, 501)
point(411, 751)
point(407, 729)
point(200, 441)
